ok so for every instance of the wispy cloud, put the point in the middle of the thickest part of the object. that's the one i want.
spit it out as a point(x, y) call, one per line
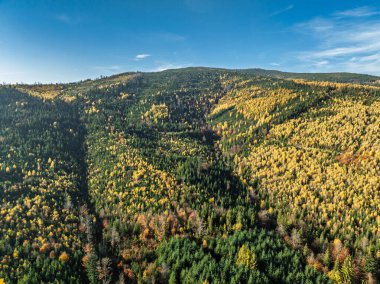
point(343, 43)
point(166, 66)
point(316, 26)
point(321, 63)
point(278, 12)
point(142, 56)
point(275, 64)
point(358, 12)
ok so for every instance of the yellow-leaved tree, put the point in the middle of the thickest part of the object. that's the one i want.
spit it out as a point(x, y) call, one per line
point(157, 113)
point(246, 258)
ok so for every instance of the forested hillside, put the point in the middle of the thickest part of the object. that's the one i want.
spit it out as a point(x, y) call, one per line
point(41, 188)
point(342, 77)
point(312, 149)
point(191, 175)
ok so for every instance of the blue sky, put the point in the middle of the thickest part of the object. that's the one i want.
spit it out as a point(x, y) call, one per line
point(67, 40)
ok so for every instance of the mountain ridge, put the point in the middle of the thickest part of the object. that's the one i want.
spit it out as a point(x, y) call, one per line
point(342, 77)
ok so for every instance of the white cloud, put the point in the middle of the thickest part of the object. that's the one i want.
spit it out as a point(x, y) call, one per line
point(317, 25)
point(321, 63)
point(358, 12)
point(344, 51)
point(275, 13)
point(142, 56)
point(343, 43)
point(275, 64)
point(167, 66)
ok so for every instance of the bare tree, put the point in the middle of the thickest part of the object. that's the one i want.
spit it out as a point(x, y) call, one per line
point(104, 270)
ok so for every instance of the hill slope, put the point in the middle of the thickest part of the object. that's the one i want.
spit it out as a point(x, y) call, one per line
point(340, 77)
point(198, 174)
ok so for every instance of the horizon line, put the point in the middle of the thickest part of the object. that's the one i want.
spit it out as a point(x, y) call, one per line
point(181, 68)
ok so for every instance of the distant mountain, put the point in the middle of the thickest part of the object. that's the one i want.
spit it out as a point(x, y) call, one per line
point(341, 77)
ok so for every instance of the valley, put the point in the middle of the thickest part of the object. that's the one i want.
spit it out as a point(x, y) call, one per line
point(191, 175)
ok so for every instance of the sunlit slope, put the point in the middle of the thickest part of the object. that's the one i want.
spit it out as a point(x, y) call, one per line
point(341, 77)
point(312, 149)
point(158, 182)
point(198, 174)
